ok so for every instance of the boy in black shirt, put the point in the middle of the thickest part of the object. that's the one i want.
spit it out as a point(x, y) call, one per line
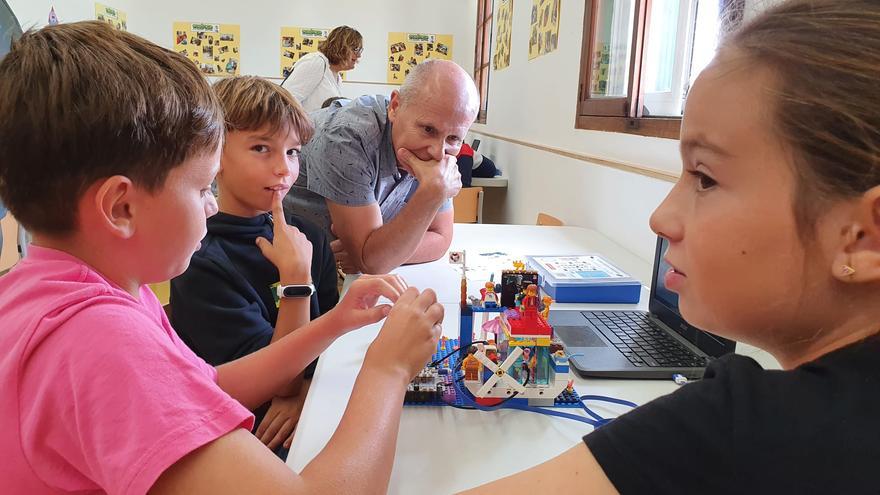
point(227, 304)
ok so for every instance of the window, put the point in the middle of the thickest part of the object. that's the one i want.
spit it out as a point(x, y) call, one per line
point(481, 54)
point(640, 58)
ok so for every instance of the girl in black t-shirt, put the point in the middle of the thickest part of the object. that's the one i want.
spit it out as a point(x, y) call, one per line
point(774, 231)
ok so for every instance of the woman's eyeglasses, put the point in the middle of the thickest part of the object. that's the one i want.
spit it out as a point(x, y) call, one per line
point(358, 51)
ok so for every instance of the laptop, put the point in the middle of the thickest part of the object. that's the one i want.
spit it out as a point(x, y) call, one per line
point(638, 344)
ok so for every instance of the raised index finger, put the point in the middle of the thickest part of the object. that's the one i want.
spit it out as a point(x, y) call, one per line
point(278, 207)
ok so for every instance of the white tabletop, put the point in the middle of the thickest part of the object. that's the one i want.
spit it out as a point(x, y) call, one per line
point(443, 450)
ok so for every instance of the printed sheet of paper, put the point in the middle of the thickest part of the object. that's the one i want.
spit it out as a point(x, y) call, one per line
point(406, 50)
point(114, 17)
point(214, 48)
point(544, 29)
point(504, 19)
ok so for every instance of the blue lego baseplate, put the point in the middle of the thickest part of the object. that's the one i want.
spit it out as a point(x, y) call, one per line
point(449, 396)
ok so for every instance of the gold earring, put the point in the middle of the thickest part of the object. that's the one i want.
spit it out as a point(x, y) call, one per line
point(847, 271)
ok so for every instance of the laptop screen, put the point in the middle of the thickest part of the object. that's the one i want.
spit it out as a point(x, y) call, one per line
point(664, 305)
point(661, 293)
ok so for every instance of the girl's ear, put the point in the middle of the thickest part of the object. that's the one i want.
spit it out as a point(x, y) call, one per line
point(858, 260)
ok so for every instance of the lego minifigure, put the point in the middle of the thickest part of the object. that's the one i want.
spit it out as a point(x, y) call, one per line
point(530, 300)
point(471, 366)
point(489, 299)
point(547, 302)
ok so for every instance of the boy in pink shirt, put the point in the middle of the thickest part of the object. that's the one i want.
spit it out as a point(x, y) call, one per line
point(108, 147)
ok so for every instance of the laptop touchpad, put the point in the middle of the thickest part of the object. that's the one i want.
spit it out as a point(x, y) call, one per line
point(578, 336)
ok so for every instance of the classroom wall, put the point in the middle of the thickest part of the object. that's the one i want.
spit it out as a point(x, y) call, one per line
point(535, 101)
point(261, 21)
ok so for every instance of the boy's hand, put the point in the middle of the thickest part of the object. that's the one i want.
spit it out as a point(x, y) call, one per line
point(280, 420)
point(290, 251)
point(358, 306)
point(409, 336)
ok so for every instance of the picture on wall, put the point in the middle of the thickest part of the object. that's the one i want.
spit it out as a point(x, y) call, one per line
point(214, 48)
point(544, 28)
point(114, 17)
point(406, 50)
point(501, 57)
point(297, 42)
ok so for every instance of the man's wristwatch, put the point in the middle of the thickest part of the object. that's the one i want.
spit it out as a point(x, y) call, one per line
point(295, 291)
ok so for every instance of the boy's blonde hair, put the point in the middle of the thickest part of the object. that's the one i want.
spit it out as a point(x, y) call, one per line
point(251, 103)
point(84, 101)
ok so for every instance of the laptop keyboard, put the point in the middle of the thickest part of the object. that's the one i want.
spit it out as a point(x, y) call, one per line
point(642, 341)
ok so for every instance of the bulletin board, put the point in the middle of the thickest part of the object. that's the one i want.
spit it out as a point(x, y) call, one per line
point(406, 50)
point(501, 58)
point(214, 48)
point(297, 42)
point(544, 29)
point(114, 17)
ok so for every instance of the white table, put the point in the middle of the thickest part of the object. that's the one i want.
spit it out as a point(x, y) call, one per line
point(443, 450)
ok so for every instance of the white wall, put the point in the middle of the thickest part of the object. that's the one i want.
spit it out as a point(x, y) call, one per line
point(536, 101)
point(261, 22)
point(35, 13)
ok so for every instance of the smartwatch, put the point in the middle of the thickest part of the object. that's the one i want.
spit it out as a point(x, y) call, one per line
point(295, 291)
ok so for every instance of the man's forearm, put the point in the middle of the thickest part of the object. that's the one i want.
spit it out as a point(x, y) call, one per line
point(257, 377)
point(395, 242)
point(432, 247)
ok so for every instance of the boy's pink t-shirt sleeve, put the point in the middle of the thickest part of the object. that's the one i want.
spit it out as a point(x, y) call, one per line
point(135, 398)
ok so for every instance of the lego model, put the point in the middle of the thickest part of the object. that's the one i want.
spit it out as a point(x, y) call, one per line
point(501, 354)
point(524, 360)
point(511, 360)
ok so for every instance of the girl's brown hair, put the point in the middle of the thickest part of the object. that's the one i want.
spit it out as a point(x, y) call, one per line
point(251, 103)
point(340, 42)
point(825, 56)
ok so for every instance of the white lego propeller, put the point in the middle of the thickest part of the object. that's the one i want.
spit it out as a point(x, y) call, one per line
point(499, 372)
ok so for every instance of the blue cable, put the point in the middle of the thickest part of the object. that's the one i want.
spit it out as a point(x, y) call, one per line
point(613, 400)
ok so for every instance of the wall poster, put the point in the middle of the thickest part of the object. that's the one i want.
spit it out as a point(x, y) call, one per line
point(406, 50)
point(214, 48)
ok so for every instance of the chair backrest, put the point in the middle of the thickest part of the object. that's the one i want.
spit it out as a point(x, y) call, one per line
point(162, 291)
point(468, 205)
point(549, 220)
point(9, 254)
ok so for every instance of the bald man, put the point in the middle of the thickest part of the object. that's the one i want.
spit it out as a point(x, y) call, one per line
point(379, 173)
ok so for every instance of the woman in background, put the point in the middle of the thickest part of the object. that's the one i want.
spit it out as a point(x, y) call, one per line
point(316, 77)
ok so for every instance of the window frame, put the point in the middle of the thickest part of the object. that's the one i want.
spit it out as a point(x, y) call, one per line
point(482, 51)
point(623, 114)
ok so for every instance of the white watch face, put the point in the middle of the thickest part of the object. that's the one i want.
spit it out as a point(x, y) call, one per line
point(296, 290)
